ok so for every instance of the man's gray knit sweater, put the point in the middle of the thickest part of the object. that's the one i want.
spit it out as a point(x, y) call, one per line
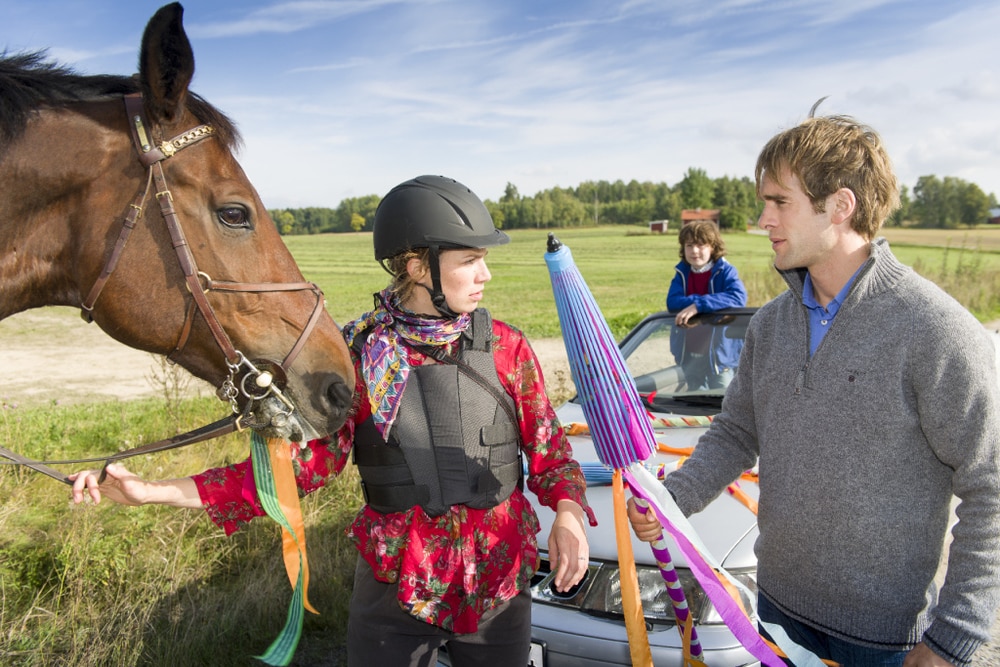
point(860, 450)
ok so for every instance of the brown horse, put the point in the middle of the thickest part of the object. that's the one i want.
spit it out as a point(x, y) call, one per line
point(204, 276)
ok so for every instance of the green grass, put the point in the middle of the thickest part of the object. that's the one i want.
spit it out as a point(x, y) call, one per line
point(629, 271)
point(110, 585)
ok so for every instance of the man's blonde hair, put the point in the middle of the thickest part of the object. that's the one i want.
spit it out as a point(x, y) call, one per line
point(828, 153)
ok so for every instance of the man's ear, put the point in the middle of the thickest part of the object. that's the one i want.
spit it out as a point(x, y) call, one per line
point(842, 205)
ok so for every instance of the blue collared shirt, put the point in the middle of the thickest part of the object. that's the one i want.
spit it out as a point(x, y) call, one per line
point(820, 318)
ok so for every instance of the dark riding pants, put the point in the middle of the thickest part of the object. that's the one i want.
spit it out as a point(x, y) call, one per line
point(379, 632)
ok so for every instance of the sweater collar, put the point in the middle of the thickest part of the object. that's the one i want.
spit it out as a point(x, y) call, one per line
point(879, 272)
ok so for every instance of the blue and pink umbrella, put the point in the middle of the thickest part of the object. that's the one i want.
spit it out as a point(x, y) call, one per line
point(623, 436)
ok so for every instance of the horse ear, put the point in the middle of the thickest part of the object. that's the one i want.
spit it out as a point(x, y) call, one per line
point(166, 64)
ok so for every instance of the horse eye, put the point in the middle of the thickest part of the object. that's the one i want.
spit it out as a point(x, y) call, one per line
point(233, 216)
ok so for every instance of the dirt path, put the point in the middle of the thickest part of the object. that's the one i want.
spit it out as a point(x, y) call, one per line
point(51, 355)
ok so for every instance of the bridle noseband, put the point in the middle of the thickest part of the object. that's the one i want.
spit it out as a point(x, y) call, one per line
point(253, 380)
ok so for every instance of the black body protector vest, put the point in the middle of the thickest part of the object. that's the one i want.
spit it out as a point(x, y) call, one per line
point(455, 440)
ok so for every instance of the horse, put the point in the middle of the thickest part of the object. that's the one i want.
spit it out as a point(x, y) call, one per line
point(121, 196)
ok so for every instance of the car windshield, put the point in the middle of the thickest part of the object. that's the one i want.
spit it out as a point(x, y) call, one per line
point(686, 370)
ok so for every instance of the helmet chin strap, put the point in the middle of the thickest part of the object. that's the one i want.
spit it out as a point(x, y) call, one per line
point(437, 295)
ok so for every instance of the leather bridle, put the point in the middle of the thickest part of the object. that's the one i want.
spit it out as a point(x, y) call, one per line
point(254, 380)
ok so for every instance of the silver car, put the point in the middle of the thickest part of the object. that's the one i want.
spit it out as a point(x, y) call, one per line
point(679, 372)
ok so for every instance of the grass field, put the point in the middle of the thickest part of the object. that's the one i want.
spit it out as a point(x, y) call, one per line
point(985, 239)
point(629, 271)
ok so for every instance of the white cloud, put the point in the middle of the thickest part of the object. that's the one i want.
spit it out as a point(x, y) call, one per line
point(343, 99)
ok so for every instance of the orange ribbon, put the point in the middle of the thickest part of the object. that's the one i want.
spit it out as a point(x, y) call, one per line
point(635, 623)
point(293, 546)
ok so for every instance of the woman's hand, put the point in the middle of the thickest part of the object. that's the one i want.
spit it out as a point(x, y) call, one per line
point(126, 488)
point(119, 485)
point(569, 551)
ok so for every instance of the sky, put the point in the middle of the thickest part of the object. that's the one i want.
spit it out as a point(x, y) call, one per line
point(346, 98)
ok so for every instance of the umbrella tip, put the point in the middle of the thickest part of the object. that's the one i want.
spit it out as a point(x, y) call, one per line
point(553, 243)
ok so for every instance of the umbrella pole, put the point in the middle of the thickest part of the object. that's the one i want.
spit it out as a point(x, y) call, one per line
point(685, 623)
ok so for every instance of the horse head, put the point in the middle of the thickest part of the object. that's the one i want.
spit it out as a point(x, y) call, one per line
point(147, 222)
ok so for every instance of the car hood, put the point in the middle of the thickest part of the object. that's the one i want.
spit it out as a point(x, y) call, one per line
point(726, 527)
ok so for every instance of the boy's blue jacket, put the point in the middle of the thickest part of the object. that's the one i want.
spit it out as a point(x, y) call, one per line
point(726, 290)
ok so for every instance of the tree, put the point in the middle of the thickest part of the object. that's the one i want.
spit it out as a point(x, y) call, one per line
point(567, 210)
point(589, 196)
point(736, 199)
point(510, 194)
point(664, 200)
point(697, 189)
point(284, 221)
point(496, 212)
point(538, 211)
point(510, 206)
point(903, 213)
point(948, 203)
point(935, 202)
point(973, 204)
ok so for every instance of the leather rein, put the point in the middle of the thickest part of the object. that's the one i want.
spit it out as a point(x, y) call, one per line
point(252, 380)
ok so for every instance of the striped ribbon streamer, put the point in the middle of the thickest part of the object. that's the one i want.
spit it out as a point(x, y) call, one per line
point(692, 645)
point(690, 421)
point(714, 579)
point(275, 479)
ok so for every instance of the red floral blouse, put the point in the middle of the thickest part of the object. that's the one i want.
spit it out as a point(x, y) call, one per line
point(453, 568)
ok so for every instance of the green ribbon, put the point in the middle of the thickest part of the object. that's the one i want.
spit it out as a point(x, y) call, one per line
point(282, 649)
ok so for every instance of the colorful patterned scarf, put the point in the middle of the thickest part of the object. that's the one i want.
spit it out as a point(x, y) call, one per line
point(385, 357)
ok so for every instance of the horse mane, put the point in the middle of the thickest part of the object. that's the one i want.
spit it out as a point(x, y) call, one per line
point(29, 81)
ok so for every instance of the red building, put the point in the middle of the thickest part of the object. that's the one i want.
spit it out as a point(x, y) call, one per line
point(690, 215)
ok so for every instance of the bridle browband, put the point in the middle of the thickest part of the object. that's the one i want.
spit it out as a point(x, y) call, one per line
point(259, 379)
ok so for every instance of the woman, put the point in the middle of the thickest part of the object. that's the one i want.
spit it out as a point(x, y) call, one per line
point(447, 405)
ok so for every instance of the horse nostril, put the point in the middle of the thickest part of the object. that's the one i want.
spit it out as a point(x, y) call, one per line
point(339, 395)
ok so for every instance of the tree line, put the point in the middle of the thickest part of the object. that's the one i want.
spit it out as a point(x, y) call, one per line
point(933, 202)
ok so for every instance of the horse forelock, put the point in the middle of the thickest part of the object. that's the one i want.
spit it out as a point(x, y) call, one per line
point(29, 81)
point(225, 128)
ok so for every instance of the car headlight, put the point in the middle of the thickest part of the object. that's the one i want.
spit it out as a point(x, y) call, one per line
point(599, 593)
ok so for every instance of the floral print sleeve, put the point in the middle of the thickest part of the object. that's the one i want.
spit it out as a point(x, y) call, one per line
point(553, 475)
point(229, 494)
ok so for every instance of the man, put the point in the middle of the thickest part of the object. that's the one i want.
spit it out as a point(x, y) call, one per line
point(870, 399)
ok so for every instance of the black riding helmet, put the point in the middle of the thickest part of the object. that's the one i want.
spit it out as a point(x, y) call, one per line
point(437, 213)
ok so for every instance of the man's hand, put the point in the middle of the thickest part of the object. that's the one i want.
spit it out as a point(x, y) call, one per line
point(923, 656)
point(645, 525)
